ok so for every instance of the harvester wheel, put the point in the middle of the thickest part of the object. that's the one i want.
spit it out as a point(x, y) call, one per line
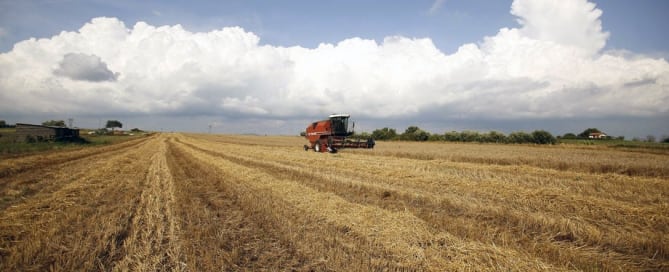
point(306, 147)
point(317, 146)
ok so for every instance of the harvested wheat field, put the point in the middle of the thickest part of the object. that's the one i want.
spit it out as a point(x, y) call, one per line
point(192, 202)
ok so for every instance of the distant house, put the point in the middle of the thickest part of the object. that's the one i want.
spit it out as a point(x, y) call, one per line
point(597, 135)
point(28, 133)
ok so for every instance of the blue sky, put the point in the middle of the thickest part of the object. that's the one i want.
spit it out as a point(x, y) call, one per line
point(442, 65)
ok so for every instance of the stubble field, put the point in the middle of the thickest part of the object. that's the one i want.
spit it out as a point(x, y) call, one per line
point(195, 202)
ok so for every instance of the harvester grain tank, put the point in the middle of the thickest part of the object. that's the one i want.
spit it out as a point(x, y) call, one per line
point(332, 134)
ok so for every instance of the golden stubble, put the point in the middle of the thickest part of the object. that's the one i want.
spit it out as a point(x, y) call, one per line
point(195, 202)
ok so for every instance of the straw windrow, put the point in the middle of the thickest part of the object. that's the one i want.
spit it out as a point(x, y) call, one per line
point(193, 202)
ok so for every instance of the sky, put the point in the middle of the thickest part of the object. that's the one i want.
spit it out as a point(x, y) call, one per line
point(272, 67)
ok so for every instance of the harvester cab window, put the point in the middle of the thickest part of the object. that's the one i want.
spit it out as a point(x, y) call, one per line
point(339, 125)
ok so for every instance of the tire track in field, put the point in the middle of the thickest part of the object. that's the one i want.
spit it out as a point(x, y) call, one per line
point(83, 221)
point(219, 230)
point(152, 242)
point(386, 197)
point(557, 234)
point(436, 250)
point(454, 217)
point(333, 245)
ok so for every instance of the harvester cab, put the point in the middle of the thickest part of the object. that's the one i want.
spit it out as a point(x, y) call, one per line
point(332, 134)
point(340, 125)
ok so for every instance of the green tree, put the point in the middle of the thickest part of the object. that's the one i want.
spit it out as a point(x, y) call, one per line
point(452, 136)
point(520, 137)
point(3, 123)
point(384, 134)
point(411, 130)
point(422, 135)
point(113, 124)
point(586, 133)
point(494, 137)
point(413, 133)
point(570, 135)
point(54, 123)
point(435, 137)
point(543, 137)
point(470, 136)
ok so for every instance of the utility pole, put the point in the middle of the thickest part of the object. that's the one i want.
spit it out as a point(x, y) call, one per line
point(209, 128)
point(69, 122)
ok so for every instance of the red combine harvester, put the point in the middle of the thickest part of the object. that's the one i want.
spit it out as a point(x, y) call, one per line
point(331, 134)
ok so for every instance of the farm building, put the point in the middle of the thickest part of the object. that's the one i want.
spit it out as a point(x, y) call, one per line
point(597, 135)
point(28, 132)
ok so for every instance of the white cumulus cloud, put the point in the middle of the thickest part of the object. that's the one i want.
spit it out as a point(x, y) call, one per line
point(574, 22)
point(551, 66)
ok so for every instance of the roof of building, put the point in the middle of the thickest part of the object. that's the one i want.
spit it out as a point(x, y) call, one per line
point(32, 125)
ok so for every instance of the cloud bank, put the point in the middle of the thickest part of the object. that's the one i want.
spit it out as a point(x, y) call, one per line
point(551, 66)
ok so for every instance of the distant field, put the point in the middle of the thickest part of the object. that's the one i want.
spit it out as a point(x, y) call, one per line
point(197, 202)
point(620, 144)
point(9, 147)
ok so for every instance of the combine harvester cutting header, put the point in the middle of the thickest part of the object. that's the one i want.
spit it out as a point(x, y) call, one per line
point(331, 134)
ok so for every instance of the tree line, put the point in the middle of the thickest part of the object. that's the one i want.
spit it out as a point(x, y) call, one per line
point(61, 123)
point(3, 124)
point(414, 133)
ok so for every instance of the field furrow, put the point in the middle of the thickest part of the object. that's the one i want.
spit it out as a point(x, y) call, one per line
point(220, 229)
point(381, 239)
point(48, 173)
point(81, 225)
point(152, 242)
point(12, 166)
point(195, 202)
point(565, 230)
point(582, 159)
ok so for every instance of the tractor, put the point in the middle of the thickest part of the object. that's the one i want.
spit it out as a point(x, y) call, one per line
point(332, 134)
